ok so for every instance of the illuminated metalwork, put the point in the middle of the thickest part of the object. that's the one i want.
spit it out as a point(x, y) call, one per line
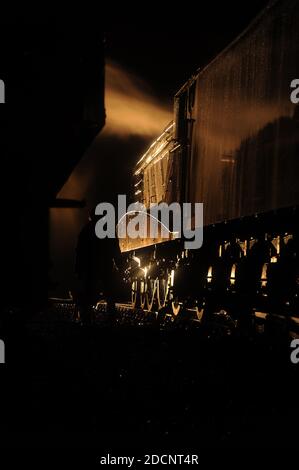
point(153, 168)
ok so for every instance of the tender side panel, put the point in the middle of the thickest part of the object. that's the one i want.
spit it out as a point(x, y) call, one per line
point(245, 145)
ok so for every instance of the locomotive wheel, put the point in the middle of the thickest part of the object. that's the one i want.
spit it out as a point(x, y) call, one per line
point(143, 293)
point(151, 296)
point(176, 307)
point(134, 293)
point(162, 291)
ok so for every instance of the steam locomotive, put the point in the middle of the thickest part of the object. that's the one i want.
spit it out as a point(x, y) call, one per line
point(234, 146)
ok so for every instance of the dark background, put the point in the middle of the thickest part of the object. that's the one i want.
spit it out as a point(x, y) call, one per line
point(72, 387)
point(166, 59)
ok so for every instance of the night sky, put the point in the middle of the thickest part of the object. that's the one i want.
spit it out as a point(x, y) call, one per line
point(166, 59)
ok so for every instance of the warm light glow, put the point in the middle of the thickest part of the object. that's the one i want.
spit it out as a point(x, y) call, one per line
point(264, 275)
point(175, 308)
point(261, 315)
point(131, 109)
point(172, 278)
point(199, 313)
point(287, 237)
point(138, 260)
point(210, 274)
point(233, 275)
point(276, 244)
point(155, 150)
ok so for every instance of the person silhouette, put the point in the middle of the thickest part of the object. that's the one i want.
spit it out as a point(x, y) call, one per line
point(97, 263)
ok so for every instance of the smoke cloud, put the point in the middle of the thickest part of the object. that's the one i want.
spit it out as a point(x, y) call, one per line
point(131, 109)
point(134, 118)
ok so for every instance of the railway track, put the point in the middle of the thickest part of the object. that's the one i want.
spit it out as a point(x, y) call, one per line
point(126, 314)
point(218, 324)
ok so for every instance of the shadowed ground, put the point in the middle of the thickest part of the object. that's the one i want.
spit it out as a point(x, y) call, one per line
point(124, 386)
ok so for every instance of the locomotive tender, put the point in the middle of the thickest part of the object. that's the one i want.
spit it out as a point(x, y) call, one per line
point(233, 145)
